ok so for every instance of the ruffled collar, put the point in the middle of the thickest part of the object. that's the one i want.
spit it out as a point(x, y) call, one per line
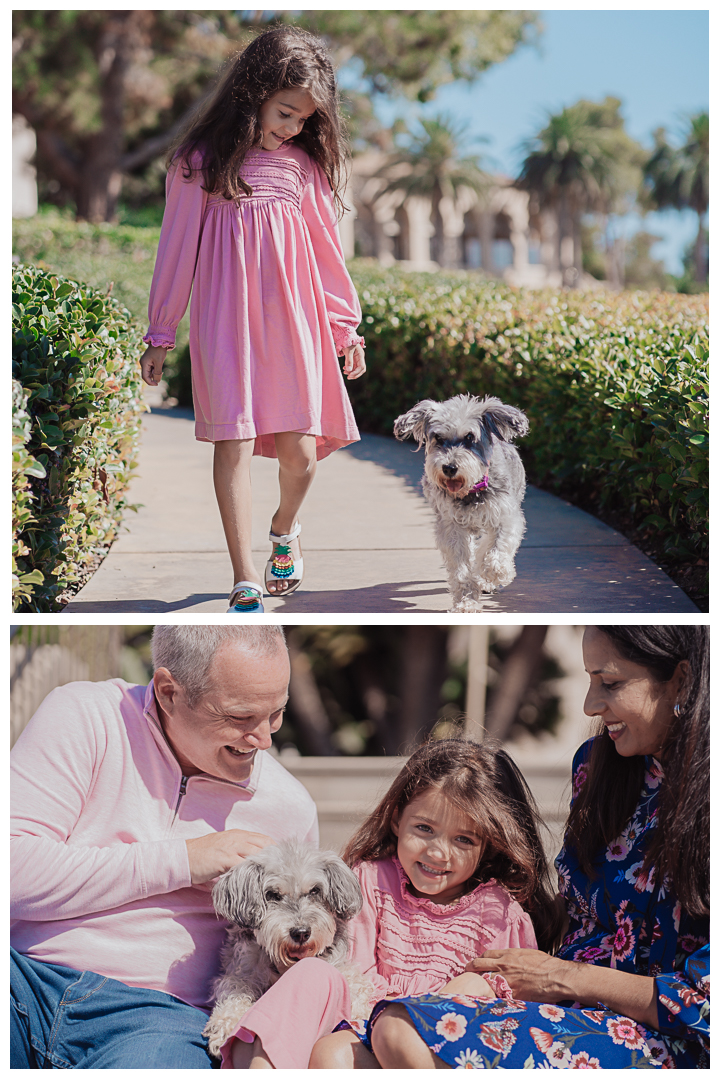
point(430, 905)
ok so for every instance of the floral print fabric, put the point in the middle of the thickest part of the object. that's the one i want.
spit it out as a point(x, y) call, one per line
point(622, 919)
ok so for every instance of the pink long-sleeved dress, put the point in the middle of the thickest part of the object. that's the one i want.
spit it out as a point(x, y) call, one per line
point(272, 302)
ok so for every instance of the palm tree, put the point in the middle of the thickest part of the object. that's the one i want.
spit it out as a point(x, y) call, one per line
point(680, 178)
point(582, 161)
point(432, 167)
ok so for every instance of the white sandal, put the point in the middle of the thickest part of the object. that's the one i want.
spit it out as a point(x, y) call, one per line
point(245, 599)
point(281, 565)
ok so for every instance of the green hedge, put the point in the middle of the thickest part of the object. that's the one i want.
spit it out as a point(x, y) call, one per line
point(115, 257)
point(75, 354)
point(615, 385)
point(24, 466)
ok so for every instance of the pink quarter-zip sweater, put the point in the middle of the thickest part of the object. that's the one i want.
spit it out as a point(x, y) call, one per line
point(100, 879)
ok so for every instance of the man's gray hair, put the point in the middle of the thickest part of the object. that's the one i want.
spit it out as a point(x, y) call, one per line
point(188, 651)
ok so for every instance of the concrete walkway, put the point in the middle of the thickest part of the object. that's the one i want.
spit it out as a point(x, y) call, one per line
point(367, 540)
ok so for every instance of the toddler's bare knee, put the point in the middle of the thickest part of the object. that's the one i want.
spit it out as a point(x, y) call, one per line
point(386, 1030)
point(331, 1052)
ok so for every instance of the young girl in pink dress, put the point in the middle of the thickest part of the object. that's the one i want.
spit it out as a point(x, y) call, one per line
point(250, 225)
point(450, 864)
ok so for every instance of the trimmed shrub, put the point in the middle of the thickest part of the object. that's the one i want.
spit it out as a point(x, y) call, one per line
point(24, 466)
point(117, 260)
point(75, 353)
point(615, 385)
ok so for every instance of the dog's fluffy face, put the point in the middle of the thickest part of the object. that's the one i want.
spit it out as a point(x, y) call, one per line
point(458, 435)
point(294, 899)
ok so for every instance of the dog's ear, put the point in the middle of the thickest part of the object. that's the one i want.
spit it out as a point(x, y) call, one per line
point(415, 423)
point(239, 897)
point(504, 421)
point(344, 894)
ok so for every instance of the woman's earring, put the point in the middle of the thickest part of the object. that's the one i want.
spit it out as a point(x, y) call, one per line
point(677, 710)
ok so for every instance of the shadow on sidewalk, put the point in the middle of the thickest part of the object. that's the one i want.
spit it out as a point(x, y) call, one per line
point(390, 598)
point(397, 458)
point(79, 606)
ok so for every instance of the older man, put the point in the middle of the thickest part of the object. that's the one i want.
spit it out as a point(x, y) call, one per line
point(127, 801)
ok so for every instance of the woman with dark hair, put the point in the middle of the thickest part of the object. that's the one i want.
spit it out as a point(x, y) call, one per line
point(629, 986)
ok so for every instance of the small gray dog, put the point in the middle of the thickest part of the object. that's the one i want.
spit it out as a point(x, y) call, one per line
point(475, 482)
point(286, 903)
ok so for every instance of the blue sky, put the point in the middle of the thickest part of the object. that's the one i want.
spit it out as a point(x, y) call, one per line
point(656, 62)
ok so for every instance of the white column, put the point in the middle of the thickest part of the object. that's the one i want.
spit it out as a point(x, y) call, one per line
point(420, 228)
point(347, 230)
point(24, 182)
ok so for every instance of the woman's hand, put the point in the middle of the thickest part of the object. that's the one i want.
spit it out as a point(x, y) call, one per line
point(354, 365)
point(531, 975)
point(151, 364)
point(536, 976)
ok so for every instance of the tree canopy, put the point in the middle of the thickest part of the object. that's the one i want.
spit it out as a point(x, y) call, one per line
point(106, 91)
point(414, 52)
point(582, 161)
point(679, 177)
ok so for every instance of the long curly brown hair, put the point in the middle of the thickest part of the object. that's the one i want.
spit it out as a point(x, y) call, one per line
point(222, 132)
point(680, 844)
point(484, 783)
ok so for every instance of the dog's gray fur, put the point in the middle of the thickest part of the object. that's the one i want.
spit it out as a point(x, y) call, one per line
point(287, 900)
point(478, 533)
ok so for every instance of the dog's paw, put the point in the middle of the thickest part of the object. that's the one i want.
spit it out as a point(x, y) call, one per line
point(466, 604)
point(497, 571)
point(224, 1022)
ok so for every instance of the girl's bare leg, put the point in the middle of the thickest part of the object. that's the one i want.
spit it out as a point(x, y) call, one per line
point(298, 461)
point(469, 983)
point(231, 475)
point(397, 1045)
point(341, 1050)
point(249, 1055)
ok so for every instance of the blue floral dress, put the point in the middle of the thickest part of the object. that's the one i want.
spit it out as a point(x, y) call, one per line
point(620, 919)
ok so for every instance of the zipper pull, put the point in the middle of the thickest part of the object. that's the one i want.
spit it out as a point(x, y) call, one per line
point(183, 789)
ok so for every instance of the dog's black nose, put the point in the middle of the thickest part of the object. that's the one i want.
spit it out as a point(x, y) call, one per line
point(449, 470)
point(299, 934)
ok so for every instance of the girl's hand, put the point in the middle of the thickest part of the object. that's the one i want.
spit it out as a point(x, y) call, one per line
point(354, 365)
point(531, 975)
point(151, 364)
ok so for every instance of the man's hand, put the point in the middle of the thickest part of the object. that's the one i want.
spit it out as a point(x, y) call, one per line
point(210, 856)
point(151, 364)
point(354, 365)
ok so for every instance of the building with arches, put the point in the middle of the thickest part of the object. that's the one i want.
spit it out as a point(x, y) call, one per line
point(499, 230)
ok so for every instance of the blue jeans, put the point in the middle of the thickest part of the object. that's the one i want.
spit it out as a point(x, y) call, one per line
point(65, 1019)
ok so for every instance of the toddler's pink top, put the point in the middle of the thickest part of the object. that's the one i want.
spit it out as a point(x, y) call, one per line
point(272, 302)
point(410, 945)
